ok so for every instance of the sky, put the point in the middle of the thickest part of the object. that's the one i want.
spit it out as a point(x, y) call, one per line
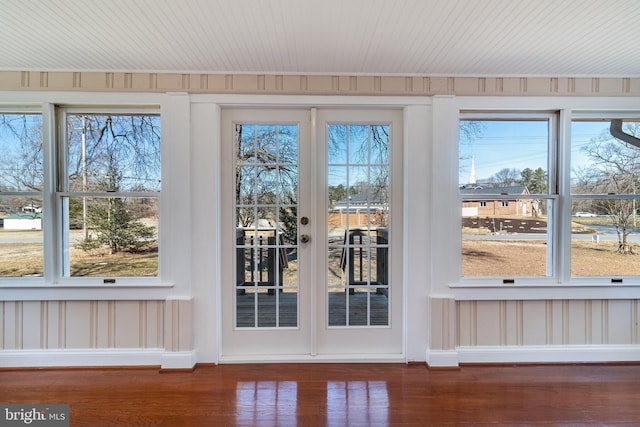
point(519, 145)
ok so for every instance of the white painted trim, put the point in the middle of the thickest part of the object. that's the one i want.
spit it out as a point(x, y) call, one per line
point(178, 360)
point(81, 357)
point(442, 358)
point(550, 354)
point(321, 358)
point(534, 354)
point(97, 358)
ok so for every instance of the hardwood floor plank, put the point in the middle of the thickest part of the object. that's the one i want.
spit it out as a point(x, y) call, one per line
point(336, 395)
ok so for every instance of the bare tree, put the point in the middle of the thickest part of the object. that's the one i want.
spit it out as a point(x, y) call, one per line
point(21, 163)
point(506, 177)
point(614, 170)
point(266, 176)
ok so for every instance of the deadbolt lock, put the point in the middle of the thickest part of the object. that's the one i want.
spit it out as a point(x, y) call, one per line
point(304, 220)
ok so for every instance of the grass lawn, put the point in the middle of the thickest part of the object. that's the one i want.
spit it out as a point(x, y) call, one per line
point(20, 259)
point(528, 258)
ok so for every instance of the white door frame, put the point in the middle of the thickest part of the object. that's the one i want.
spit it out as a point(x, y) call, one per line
point(336, 342)
point(418, 123)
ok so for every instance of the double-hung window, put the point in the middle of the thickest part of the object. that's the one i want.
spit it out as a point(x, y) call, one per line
point(82, 202)
point(107, 199)
point(537, 208)
point(21, 194)
point(605, 196)
point(508, 193)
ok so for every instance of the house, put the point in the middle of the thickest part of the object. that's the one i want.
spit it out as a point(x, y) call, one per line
point(512, 206)
point(301, 87)
point(23, 221)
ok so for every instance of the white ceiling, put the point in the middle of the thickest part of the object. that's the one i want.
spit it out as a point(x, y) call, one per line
point(597, 38)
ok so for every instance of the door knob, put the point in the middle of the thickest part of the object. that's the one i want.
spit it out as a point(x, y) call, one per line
point(304, 238)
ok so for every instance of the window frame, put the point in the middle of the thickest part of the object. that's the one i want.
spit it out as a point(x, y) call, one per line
point(32, 110)
point(554, 227)
point(593, 115)
point(52, 285)
point(60, 191)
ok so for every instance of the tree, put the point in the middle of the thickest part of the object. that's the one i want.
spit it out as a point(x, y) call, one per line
point(112, 154)
point(614, 170)
point(535, 181)
point(336, 193)
point(505, 177)
point(266, 176)
point(112, 223)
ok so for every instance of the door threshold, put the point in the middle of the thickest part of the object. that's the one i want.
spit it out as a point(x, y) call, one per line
point(320, 358)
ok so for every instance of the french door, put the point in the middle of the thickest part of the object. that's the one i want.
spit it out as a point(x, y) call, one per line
point(312, 230)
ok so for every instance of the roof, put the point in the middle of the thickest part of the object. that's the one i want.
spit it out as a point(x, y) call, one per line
point(24, 216)
point(358, 200)
point(483, 38)
point(515, 189)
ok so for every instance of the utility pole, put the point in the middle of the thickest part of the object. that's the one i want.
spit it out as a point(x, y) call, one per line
point(84, 177)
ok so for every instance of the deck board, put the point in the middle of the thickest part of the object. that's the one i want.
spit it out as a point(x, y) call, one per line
point(287, 316)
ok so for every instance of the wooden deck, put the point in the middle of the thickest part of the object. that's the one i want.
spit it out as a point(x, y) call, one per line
point(287, 315)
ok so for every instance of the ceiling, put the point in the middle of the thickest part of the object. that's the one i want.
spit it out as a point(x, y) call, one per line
point(573, 38)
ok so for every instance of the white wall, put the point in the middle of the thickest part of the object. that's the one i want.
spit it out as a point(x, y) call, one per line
point(176, 323)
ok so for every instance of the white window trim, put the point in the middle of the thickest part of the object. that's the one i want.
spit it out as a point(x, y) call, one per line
point(562, 286)
point(60, 191)
point(51, 286)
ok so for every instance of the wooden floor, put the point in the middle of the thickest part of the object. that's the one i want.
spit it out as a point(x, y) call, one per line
point(308, 395)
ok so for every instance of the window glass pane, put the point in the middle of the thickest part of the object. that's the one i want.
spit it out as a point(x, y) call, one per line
point(496, 243)
point(113, 237)
point(605, 244)
point(601, 163)
point(21, 236)
point(506, 236)
point(111, 152)
point(21, 162)
point(504, 153)
point(604, 227)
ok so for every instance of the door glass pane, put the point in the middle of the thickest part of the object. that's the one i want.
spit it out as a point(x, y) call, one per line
point(266, 221)
point(358, 224)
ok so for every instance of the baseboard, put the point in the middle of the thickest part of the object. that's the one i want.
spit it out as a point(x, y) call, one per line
point(96, 357)
point(442, 358)
point(533, 354)
point(178, 360)
point(550, 354)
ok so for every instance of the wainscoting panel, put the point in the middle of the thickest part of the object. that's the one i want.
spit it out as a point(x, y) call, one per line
point(39, 325)
point(556, 322)
point(535, 331)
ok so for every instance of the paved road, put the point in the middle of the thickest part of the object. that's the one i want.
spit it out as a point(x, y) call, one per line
point(603, 232)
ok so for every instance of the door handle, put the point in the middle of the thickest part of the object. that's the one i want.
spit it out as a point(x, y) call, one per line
point(305, 238)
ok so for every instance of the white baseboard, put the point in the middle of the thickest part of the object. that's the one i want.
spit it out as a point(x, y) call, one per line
point(534, 354)
point(96, 357)
point(179, 360)
point(442, 358)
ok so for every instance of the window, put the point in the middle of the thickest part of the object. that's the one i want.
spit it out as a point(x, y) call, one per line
point(83, 203)
point(508, 194)
point(605, 184)
point(21, 186)
point(519, 221)
point(109, 182)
